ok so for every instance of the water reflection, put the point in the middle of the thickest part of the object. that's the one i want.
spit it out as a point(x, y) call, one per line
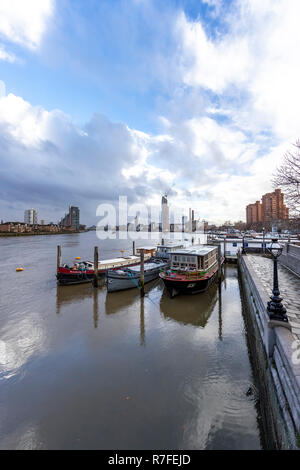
point(190, 309)
point(142, 322)
point(117, 301)
point(69, 294)
point(220, 309)
point(95, 307)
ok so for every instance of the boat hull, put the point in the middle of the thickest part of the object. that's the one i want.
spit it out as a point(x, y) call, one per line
point(127, 279)
point(66, 276)
point(117, 283)
point(187, 287)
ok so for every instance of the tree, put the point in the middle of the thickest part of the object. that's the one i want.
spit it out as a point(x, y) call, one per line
point(287, 176)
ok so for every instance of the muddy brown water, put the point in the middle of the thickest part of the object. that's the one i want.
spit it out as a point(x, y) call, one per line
point(83, 369)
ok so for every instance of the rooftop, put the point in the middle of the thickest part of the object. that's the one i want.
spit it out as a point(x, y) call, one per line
point(196, 250)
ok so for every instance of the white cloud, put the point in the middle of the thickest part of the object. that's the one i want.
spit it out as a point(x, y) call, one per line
point(4, 55)
point(46, 160)
point(25, 21)
point(255, 59)
point(208, 63)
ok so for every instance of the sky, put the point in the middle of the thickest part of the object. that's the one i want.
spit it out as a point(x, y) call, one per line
point(101, 98)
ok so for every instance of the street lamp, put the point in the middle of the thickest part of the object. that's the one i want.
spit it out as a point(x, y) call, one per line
point(243, 246)
point(264, 248)
point(275, 308)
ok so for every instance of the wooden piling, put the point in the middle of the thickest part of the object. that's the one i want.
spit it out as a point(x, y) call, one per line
point(133, 248)
point(58, 256)
point(224, 248)
point(219, 261)
point(142, 274)
point(95, 280)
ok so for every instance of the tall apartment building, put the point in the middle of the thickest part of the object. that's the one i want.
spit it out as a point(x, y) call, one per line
point(71, 219)
point(271, 208)
point(165, 220)
point(254, 213)
point(31, 217)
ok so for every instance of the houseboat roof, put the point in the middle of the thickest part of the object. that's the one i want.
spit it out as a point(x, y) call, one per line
point(196, 250)
point(145, 248)
point(171, 245)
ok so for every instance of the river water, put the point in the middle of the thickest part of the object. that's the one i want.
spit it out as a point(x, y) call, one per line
point(83, 369)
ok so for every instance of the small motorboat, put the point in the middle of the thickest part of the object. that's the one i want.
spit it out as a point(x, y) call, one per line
point(128, 278)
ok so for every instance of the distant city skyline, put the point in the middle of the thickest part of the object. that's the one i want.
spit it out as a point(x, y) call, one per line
point(198, 98)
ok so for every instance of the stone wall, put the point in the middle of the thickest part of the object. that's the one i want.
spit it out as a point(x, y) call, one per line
point(272, 350)
point(291, 258)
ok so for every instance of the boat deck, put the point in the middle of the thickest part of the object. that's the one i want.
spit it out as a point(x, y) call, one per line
point(188, 276)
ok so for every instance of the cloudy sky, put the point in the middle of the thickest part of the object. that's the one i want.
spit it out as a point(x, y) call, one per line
point(101, 98)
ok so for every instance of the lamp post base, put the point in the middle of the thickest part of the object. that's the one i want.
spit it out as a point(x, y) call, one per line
point(276, 310)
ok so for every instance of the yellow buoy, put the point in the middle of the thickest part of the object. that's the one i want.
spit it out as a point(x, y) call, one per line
point(122, 251)
point(77, 257)
point(19, 269)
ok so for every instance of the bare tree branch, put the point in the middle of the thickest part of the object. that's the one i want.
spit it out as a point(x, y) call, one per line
point(287, 177)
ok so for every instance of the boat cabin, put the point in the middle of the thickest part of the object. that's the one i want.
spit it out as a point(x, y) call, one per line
point(147, 250)
point(164, 251)
point(196, 258)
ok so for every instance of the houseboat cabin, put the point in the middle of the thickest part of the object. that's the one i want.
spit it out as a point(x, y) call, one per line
point(200, 258)
point(164, 251)
point(192, 270)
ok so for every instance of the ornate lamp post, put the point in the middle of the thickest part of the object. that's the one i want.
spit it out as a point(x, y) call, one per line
point(275, 308)
point(243, 246)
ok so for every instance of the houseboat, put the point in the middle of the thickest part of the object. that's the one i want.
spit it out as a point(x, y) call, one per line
point(83, 271)
point(192, 270)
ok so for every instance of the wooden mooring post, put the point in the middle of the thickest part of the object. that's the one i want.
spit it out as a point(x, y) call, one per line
point(58, 256)
point(133, 248)
point(95, 280)
point(142, 274)
point(219, 261)
point(224, 249)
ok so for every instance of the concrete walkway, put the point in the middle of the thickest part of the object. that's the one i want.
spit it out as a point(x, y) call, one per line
point(289, 286)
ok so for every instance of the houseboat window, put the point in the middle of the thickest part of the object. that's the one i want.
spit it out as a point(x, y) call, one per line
point(234, 244)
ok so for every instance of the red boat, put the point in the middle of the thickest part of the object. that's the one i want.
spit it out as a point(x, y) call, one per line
point(83, 271)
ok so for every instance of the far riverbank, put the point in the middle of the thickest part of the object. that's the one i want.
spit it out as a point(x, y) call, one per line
point(30, 234)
